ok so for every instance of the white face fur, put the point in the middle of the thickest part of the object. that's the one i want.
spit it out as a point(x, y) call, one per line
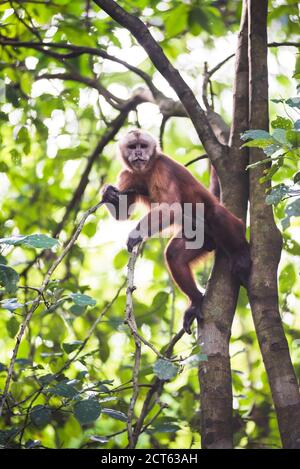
point(137, 149)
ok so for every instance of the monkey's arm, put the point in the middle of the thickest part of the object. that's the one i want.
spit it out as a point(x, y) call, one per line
point(166, 213)
point(120, 199)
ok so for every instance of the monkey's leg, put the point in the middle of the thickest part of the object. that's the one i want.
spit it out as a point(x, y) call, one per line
point(228, 234)
point(179, 261)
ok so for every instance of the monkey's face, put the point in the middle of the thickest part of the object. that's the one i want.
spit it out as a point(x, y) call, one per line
point(138, 149)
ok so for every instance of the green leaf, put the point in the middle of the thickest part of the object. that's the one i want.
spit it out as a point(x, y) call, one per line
point(176, 20)
point(115, 414)
point(198, 20)
point(258, 163)
point(282, 123)
point(121, 259)
point(26, 82)
point(293, 137)
point(70, 347)
point(12, 327)
point(90, 229)
point(164, 425)
point(271, 149)
point(77, 310)
point(273, 170)
point(287, 279)
point(8, 278)
point(293, 102)
point(63, 389)
point(3, 116)
point(12, 95)
point(87, 411)
point(293, 209)
point(4, 168)
point(23, 135)
point(164, 369)
point(194, 360)
point(11, 304)
point(83, 300)
point(256, 135)
point(257, 143)
point(276, 194)
point(6, 435)
point(297, 177)
point(159, 303)
point(40, 416)
point(280, 136)
point(39, 241)
point(16, 157)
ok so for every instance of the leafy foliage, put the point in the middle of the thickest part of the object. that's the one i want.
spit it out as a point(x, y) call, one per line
point(72, 379)
point(282, 150)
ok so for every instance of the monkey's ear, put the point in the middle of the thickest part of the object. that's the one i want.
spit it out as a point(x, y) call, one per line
point(158, 147)
point(120, 152)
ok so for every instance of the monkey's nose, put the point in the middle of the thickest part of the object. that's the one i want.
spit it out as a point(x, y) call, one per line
point(138, 154)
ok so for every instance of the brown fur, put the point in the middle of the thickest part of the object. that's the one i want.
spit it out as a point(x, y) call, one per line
point(161, 179)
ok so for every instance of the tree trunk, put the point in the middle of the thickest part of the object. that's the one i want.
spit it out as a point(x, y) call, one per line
point(266, 246)
point(222, 291)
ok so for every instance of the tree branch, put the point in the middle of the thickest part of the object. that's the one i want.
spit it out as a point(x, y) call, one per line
point(139, 30)
point(220, 304)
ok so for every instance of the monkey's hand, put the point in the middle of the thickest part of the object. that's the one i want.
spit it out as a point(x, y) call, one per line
point(110, 194)
point(133, 239)
point(192, 313)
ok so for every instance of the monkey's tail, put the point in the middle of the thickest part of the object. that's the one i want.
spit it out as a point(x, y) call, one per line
point(214, 185)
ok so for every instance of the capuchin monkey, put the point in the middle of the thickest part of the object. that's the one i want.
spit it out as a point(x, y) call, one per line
point(151, 177)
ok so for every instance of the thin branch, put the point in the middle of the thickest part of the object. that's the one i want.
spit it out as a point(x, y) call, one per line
point(92, 329)
point(113, 100)
point(36, 302)
point(198, 158)
point(31, 28)
point(130, 320)
point(284, 44)
point(76, 51)
point(162, 130)
point(207, 76)
point(156, 388)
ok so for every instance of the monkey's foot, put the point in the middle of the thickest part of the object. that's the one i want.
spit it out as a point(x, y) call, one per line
point(192, 313)
point(133, 241)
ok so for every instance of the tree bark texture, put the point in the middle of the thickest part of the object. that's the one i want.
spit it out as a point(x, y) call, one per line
point(266, 246)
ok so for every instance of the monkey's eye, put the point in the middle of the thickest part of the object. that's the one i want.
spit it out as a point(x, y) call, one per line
point(132, 146)
point(144, 145)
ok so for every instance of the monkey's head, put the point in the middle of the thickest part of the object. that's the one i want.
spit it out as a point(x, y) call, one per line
point(138, 150)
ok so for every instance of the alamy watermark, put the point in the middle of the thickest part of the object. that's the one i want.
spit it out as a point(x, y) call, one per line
point(186, 221)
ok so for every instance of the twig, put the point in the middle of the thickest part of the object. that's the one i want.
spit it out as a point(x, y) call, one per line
point(207, 76)
point(93, 327)
point(198, 158)
point(130, 320)
point(156, 388)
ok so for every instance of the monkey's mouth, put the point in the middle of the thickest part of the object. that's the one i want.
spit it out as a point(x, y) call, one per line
point(138, 159)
